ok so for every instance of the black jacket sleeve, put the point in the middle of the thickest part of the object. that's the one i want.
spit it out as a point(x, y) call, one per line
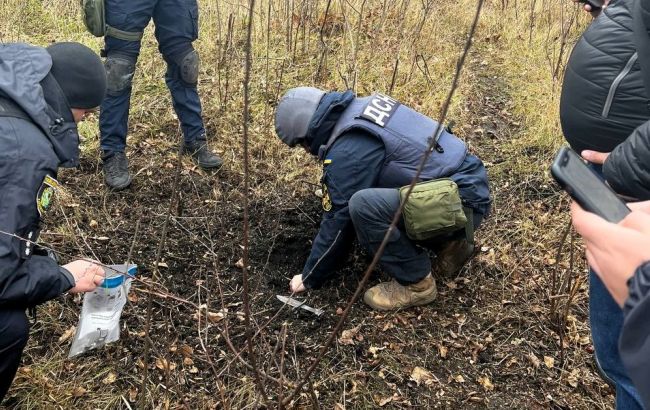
point(353, 163)
point(627, 169)
point(634, 344)
point(26, 279)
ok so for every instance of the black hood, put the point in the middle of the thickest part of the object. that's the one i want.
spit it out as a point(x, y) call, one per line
point(25, 79)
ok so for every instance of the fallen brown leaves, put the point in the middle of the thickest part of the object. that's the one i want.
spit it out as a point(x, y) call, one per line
point(422, 376)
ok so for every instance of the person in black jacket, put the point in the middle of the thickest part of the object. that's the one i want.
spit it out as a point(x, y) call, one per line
point(603, 100)
point(616, 252)
point(369, 147)
point(603, 96)
point(620, 253)
point(43, 94)
point(627, 168)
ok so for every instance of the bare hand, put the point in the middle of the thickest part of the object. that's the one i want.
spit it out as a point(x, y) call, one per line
point(588, 8)
point(595, 157)
point(87, 275)
point(643, 206)
point(615, 251)
point(296, 285)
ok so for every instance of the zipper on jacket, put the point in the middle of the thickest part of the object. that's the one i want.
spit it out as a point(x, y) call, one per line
point(617, 81)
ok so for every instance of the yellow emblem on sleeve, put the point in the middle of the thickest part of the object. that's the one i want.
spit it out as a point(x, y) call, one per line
point(326, 200)
point(45, 194)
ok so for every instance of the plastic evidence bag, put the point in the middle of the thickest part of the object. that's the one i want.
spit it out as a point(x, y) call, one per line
point(99, 322)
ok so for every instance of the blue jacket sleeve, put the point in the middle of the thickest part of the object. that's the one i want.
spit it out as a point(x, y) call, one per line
point(634, 344)
point(353, 163)
point(26, 279)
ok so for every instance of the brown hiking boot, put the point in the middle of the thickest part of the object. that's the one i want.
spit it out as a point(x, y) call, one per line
point(391, 295)
point(452, 257)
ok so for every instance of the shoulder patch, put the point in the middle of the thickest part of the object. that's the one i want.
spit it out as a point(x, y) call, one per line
point(326, 200)
point(45, 194)
point(380, 109)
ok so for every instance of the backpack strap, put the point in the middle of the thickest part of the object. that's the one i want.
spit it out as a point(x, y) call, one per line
point(469, 227)
point(94, 17)
point(123, 35)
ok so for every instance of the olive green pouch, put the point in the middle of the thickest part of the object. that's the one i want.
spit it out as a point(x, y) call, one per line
point(433, 208)
point(94, 17)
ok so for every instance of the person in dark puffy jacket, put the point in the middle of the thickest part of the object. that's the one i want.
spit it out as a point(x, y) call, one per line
point(603, 100)
point(369, 147)
point(627, 168)
point(43, 94)
point(619, 250)
point(625, 165)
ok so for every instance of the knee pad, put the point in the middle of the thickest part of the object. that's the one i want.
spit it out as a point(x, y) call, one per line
point(119, 73)
point(189, 65)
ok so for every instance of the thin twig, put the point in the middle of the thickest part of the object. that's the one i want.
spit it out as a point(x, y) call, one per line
point(283, 335)
point(246, 119)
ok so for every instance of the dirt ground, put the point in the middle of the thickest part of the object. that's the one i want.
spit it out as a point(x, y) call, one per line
point(490, 340)
point(486, 342)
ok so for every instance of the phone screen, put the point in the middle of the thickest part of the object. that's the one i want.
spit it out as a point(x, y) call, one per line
point(586, 187)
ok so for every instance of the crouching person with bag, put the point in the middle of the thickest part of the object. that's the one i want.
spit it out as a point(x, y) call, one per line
point(370, 149)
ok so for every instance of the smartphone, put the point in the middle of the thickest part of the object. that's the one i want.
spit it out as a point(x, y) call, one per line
point(595, 4)
point(586, 187)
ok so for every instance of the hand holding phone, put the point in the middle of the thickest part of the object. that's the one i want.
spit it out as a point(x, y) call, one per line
point(586, 187)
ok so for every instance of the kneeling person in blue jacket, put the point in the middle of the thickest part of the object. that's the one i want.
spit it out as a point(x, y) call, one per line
point(370, 147)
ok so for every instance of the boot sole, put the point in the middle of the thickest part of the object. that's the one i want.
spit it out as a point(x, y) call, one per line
point(204, 166)
point(119, 187)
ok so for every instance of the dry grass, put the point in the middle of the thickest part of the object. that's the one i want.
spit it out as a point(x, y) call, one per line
point(492, 319)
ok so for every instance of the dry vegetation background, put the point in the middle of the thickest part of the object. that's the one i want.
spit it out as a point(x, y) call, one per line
point(510, 331)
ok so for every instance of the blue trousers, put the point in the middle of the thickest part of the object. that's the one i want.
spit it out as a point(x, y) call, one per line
point(176, 24)
point(606, 319)
point(606, 322)
point(14, 332)
point(407, 261)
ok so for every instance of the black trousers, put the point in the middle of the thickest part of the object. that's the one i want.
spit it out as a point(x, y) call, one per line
point(14, 332)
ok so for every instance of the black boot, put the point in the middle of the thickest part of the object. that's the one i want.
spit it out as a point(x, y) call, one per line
point(116, 170)
point(202, 155)
point(452, 257)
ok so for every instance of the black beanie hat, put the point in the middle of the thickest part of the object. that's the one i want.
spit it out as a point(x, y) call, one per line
point(80, 73)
